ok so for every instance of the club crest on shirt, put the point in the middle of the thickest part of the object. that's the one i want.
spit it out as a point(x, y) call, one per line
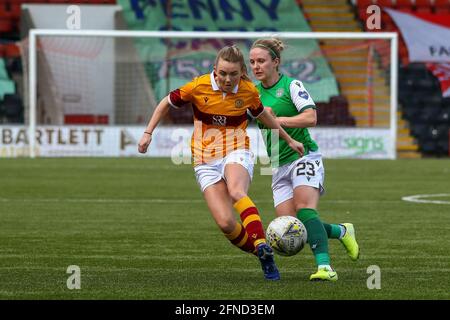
point(280, 92)
point(239, 103)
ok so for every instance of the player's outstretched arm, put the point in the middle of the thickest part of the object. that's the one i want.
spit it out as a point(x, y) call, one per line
point(306, 119)
point(160, 111)
point(270, 122)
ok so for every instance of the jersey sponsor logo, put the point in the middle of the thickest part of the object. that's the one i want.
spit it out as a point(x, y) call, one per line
point(303, 95)
point(219, 120)
point(280, 92)
point(206, 99)
point(239, 103)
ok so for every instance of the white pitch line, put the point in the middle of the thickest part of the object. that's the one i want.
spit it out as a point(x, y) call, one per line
point(116, 200)
point(419, 198)
point(101, 200)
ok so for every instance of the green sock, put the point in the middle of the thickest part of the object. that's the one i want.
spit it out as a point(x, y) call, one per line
point(333, 230)
point(317, 235)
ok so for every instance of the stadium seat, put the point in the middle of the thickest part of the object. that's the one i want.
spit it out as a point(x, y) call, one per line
point(386, 3)
point(13, 108)
point(426, 84)
point(411, 114)
point(12, 50)
point(385, 17)
point(390, 26)
point(443, 147)
point(403, 51)
point(441, 4)
point(362, 14)
point(437, 132)
point(364, 3)
point(6, 25)
point(433, 99)
point(446, 102)
point(423, 10)
point(442, 10)
point(418, 70)
point(428, 147)
point(404, 4)
point(335, 113)
point(435, 147)
point(418, 130)
point(444, 116)
point(406, 9)
point(429, 114)
point(423, 4)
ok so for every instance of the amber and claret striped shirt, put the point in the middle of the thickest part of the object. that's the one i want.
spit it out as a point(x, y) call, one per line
point(220, 119)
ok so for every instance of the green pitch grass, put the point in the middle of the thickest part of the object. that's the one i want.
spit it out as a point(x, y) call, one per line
point(139, 229)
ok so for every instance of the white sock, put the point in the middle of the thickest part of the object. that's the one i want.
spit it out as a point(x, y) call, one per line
point(343, 230)
point(325, 266)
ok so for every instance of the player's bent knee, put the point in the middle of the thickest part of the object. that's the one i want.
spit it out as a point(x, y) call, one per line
point(237, 195)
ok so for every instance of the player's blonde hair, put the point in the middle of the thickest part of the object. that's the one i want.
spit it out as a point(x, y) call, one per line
point(272, 45)
point(234, 55)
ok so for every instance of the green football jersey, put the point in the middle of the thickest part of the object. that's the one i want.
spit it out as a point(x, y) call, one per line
point(287, 98)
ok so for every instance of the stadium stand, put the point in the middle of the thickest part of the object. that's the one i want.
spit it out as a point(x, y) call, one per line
point(421, 105)
point(341, 15)
point(11, 106)
point(423, 114)
point(425, 109)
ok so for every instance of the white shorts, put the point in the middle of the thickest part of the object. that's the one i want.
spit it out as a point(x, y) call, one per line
point(210, 173)
point(306, 171)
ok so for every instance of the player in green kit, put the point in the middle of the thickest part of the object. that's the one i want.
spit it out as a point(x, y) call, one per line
point(297, 182)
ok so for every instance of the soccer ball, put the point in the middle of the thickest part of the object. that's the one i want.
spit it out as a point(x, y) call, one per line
point(286, 235)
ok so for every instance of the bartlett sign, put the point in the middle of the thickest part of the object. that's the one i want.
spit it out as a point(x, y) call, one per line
point(174, 142)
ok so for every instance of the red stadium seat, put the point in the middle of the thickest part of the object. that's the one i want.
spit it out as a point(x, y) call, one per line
point(406, 9)
point(364, 3)
point(362, 14)
point(402, 50)
point(442, 10)
point(423, 10)
point(386, 3)
point(5, 11)
point(6, 25)
point(12, 50)
point(16, 9)
point(423, 3)
point(441, 4)
point(390, 26)
point(400, 4)
point(386, 18)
